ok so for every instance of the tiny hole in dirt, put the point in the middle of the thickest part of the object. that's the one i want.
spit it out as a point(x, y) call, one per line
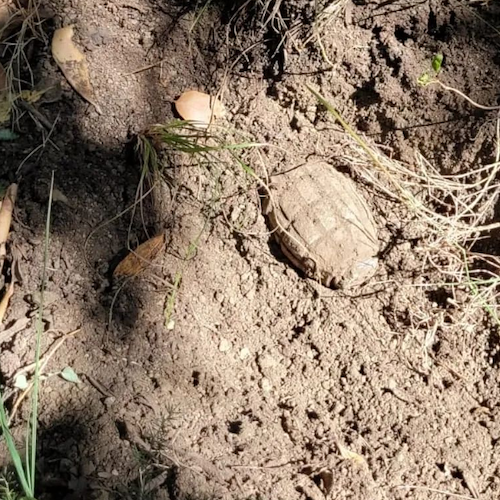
point(196, 378)
point(401, 34)
point(366, 95)
point(447, 383)
point(440, 297)
point(493, 349)
point(235, 427)
point(300, 490)
point(297, 332)
point(312, 415)
point(441, 33)
point(436, 347)
point(121, 428)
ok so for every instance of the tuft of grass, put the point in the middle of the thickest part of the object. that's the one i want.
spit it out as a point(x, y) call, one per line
point(20, 26)
point(203, 149)
point(452, 213)
point(26, 469)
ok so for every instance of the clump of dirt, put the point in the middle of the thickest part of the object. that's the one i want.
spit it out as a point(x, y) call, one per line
point(262, 383)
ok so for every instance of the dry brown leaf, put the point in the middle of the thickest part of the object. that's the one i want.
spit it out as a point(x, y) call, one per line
point(199, 108)
point(73, 64)
point(350, 455)
point(135, 262)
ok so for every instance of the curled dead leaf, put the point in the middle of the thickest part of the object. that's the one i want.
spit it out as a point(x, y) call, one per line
point(136, 261)
point(73, 64)
point(199, 108)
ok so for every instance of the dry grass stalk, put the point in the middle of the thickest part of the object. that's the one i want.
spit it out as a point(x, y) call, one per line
point(451, 213)
point(20, 24)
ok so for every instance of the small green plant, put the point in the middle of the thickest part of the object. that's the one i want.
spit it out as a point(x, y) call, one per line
point(430, 76)
point(25, 468)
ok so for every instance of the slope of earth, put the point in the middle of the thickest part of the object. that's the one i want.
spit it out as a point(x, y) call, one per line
point(264, 384)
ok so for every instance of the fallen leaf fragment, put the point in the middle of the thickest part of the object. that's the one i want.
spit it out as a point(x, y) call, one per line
point(8, 203)
point(58, 195)
point(199, 108)
point(136, 261)
point(5, 107)
point(32, 96)
point(350, 455)
point(21, 382)
point(73, 64)
point(69, 375)
point(4, 303)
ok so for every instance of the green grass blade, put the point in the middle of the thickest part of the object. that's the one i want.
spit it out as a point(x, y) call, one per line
point(13, 452)
point(39, 332)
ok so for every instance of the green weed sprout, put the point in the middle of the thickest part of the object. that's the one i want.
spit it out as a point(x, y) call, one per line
point(430, 76)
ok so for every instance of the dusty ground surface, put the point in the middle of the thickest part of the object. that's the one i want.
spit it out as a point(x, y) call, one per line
point(263, 379)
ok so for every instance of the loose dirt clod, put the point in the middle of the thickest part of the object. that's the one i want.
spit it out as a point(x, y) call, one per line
point(323, 225)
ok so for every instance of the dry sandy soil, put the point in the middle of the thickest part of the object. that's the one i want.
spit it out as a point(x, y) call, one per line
point(265, 382)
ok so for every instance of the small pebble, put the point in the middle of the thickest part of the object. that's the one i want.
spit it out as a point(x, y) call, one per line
point(244, 353)
point(266, 385)
point(224, 346)
point(109, 401)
